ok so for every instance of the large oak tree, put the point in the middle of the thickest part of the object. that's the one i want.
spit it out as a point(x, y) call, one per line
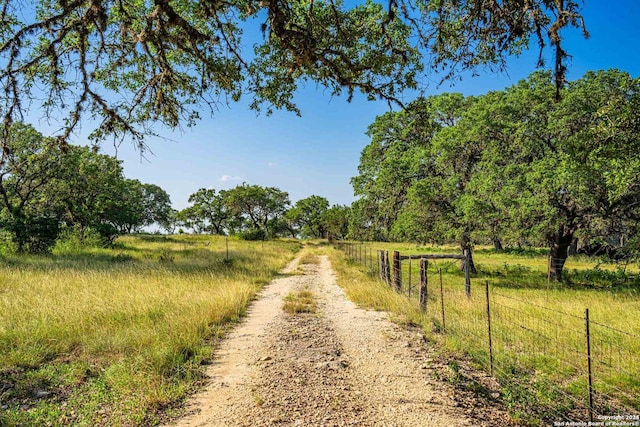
point(518, 164)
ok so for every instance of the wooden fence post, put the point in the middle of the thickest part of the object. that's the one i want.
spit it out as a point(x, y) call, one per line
point(365, 258)
point(397, 273)
point(381, 264)
point(387, 269)
point(424, 264)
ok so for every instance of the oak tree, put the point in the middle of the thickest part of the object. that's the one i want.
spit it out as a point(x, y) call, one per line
point(128, 64)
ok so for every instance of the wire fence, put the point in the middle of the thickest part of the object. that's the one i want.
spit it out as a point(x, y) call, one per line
point(561, 365)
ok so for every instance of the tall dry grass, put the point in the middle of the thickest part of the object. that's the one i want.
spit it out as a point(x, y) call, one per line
point(538, 328)
point(112, 336)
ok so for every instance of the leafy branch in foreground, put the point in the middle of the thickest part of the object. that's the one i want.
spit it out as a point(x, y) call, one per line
point(131, 63)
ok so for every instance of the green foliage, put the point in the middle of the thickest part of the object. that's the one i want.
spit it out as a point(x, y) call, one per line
point(75, 240)
point(29, 163)
point(142, 62)
point(308, 216)
point(43, 233)
point(251, 211)
point(44, 187)
point(257, 208)
point(7, 245)
point(336, 220)
point(208, 212)
point(136, 205)
point(252, 234)
point(517, 166)
point(603, 278)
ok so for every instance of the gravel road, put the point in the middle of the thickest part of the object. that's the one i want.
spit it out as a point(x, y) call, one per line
point(339, 366)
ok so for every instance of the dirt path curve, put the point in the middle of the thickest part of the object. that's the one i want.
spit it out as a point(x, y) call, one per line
point(340, 366)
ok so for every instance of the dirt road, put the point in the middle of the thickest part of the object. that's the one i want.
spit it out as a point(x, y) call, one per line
point(339, 366)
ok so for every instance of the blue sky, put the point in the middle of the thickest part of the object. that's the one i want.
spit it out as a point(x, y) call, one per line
point(318, 153)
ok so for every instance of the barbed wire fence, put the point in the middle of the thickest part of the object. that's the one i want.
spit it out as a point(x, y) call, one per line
point(577, 368)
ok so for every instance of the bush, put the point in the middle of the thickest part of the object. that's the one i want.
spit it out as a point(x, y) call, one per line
point(253, 234)
point(7, 245)
point(33, 234)
point(108, 233)
point(43, 233)
point(74, 239)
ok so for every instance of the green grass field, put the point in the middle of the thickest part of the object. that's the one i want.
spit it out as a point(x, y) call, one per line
point(121, 336)
point(118, 336)
point(538, 328)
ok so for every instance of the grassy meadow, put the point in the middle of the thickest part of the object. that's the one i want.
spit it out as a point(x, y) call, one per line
point(119, 336)
point(538, 328)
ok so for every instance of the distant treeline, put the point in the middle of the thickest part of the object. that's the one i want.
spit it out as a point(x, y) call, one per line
point(254, 213)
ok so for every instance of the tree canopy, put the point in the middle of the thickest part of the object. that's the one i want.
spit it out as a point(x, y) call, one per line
point(131, 63)
point(254, 212)
point(308, 217)
point(44, 189)
point(515, 165)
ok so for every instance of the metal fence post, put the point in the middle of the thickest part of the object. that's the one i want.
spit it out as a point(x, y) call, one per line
point(489, 328)
point(444, 328)
point(409, 284)
point(586, 323)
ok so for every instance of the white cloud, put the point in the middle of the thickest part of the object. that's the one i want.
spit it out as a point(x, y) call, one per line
point(225, 178)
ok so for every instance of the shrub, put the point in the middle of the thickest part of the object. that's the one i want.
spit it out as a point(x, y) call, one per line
point(253, 234)
point(72, 240)
point(43, 233)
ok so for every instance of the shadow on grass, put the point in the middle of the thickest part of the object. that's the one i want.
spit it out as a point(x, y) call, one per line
point(181, 261)
point(517, 276)
point(525, 252)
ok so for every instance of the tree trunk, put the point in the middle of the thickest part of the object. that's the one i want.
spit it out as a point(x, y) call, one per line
point(20, 233)
point(497, 244)
point(558, 253)
point(573, 248)
point(472, 265)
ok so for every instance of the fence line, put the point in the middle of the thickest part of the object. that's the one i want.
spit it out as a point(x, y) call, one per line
point(585, 370)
